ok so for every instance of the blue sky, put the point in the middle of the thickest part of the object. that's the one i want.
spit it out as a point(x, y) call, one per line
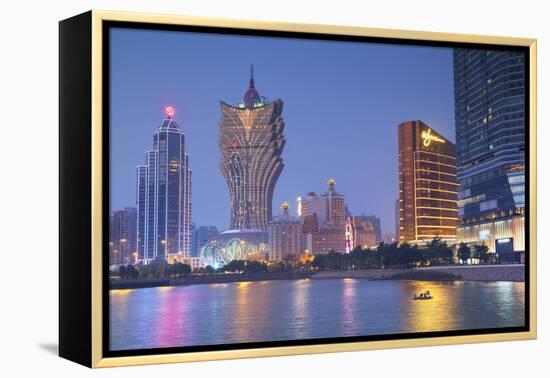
point(342, 104)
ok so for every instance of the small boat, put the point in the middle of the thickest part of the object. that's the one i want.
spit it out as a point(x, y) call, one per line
point(423, 296)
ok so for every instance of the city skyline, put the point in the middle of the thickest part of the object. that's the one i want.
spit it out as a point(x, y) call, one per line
point(312, 154)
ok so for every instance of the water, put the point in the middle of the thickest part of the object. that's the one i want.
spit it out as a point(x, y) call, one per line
point(304, 309)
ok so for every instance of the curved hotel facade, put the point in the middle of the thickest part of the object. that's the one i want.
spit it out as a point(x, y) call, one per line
point(490, 132)
point(251, 143)
point(427, 184)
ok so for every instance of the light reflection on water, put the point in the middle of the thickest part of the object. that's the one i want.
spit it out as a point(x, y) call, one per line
point(286, 310)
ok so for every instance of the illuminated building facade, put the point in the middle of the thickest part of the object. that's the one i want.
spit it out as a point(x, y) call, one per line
point(427, 184)
point(323, 218)
point(285, 235)
point(490, 133)
point(251, 143)
point(362, 231)
point(245, 244)
point(329, 207)
point(122, 236)
point(312, 206)
point(329, 238)
point(164, 196)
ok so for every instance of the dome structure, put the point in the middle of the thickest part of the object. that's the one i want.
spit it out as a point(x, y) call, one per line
point(231, 245)
point(251, 97)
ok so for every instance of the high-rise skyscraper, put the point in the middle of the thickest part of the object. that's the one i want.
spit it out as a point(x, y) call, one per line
point(489, 88)
point(164, 196)
point(285, 235)
point(427, 184)
point(122, 236)
point(251, 142)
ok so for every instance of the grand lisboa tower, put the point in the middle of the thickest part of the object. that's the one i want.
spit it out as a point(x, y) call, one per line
point(251, 142)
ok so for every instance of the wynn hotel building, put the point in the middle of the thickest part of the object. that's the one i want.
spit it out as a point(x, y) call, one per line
point(427, 184)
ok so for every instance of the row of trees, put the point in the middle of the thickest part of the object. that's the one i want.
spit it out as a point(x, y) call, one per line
point(158, 268)
point(480, 252)
point(243, 266)
point(435, 252)
point(395, 255)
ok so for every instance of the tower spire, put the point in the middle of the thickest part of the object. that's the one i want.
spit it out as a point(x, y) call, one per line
point(251, 97)
point(251, 76)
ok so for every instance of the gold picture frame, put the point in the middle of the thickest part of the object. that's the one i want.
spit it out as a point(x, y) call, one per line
point(92, 325)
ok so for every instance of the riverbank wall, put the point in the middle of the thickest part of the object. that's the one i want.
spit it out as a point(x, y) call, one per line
point(485, 273)
point(208, 279)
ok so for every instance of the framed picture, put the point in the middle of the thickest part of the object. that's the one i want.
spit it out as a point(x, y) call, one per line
point(235, 189)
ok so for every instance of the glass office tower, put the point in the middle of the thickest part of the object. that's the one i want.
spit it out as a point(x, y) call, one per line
point(489, 91)
point(164, 196)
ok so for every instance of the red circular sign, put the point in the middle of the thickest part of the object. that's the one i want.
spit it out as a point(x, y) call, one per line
point(170, 111)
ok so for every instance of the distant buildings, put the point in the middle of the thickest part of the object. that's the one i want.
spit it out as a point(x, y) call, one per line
point(251, 143)
point(427, 184)
point(329, 207)
point(329, 238)
point(200, 236)
point(285, 235)
point(389, 238)
point(164, 196)
point(122, 236)
point(364, 231)
point(489, 89)
point(324, 219)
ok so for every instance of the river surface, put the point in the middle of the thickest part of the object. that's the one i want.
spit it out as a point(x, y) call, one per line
point(305, 309)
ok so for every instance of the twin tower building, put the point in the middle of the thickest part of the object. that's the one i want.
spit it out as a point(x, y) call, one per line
point(251, 143)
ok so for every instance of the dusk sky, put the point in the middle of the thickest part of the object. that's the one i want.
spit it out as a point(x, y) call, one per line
point(342, 104)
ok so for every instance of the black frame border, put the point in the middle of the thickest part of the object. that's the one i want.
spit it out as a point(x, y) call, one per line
point(107, 25)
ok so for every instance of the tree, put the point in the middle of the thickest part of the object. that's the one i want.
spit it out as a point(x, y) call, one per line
point(122, 271)
point(358, 258)
point(235, 266)
point(438, 252)
point(210, 269)
point(482, 253)
point(255, 267)
point(290, 262)
point(158, 268)
point(131, 272)
point(320, 262)
point(464, 252)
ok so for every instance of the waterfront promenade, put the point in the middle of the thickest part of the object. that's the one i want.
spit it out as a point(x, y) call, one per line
point(483, 273)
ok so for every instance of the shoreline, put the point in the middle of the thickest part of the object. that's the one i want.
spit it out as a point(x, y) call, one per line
point(480, 273)
point(208, 279)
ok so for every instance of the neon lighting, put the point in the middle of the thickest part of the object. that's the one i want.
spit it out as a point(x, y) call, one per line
point(350, 235)
point(427, 138)
point(170, 111)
